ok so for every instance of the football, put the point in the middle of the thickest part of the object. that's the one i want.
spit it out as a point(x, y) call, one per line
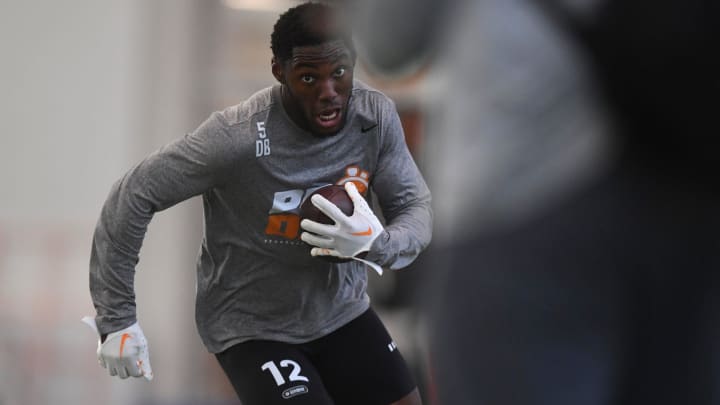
point(336, 195)
point(333, 193)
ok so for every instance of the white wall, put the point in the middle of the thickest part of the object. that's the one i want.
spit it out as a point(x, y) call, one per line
point(87, 89)
point(66, 104)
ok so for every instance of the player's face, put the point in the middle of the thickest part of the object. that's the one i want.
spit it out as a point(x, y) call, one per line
point(317, 82)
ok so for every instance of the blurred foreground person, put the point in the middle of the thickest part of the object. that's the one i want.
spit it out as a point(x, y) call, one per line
point(287, 326)
point(577, 204)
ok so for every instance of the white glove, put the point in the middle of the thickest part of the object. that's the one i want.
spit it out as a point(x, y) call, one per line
point(125, 352)
point(349, 235)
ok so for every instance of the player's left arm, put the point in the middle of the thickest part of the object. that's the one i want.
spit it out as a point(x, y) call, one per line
point(403, 196)
point(404, 199)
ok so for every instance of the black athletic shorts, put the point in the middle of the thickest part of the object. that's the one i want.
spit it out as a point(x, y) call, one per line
point(357, 364)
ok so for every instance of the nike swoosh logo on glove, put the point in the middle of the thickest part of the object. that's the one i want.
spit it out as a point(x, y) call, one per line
point(124, 337)
point(363, 233)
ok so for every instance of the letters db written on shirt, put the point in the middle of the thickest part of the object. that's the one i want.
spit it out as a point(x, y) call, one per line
point(262, 145)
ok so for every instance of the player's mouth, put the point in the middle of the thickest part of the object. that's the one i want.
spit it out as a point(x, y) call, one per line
point(329, 118)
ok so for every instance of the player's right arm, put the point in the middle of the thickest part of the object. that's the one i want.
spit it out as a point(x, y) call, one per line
point(182, 169)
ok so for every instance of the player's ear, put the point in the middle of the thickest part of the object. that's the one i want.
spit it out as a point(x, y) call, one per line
point(277, 70)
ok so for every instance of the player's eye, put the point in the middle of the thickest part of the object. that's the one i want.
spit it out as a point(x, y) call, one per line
point(307, 79)
point(340, 72)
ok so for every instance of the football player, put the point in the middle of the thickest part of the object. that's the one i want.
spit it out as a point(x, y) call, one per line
point(287, 327)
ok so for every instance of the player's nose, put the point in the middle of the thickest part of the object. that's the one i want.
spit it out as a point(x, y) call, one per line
point(328, 92)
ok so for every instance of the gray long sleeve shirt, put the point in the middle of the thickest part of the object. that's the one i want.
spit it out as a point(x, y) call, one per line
point(253, 167)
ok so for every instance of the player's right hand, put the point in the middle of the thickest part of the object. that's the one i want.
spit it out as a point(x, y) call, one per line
point(125, 352)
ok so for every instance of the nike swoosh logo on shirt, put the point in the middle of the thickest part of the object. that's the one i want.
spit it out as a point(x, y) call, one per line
point(365, 129)
point(125, 336)
point(363, 233)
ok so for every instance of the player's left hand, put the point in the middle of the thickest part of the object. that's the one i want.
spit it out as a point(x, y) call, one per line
point(349, 235)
